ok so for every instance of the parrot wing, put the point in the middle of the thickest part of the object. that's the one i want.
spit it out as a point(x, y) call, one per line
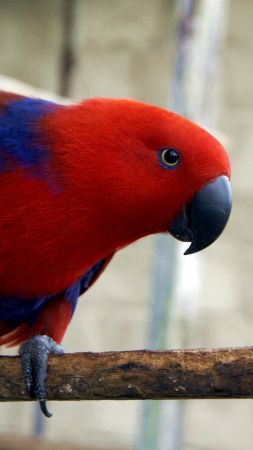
point(22, 318)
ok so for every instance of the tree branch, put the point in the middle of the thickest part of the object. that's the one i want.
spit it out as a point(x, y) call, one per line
point(19, 442)
point(143, 374)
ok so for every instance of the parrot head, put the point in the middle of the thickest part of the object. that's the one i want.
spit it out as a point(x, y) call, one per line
point(157, 172)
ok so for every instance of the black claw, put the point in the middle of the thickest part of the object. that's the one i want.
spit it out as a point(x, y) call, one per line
point(43, 408)
point(34, 354)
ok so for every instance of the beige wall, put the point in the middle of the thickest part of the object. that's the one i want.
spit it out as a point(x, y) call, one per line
point(226, 314)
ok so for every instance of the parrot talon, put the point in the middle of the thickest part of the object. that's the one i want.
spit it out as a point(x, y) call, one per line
point(34, 355)
point(43, 408)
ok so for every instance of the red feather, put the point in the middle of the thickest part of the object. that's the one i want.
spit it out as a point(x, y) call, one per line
point(101, 189)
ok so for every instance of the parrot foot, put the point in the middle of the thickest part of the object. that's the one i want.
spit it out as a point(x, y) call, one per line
point(34, 355)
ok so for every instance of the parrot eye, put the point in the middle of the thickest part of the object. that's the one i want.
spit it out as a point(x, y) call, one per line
point(169, 158)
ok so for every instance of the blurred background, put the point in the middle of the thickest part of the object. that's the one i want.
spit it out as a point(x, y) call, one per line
point(195, 57)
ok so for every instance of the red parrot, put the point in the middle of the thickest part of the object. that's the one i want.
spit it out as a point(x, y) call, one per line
point(80, 182)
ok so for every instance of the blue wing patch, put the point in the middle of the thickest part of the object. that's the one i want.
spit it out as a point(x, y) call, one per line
point(90, 275)
point(17, 310)
point(72, 294)
point(21, 141)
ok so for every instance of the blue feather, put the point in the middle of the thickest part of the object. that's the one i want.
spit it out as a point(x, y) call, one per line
point(22, 142)
point(89, 276)
point(15, 309)
point(18, 310)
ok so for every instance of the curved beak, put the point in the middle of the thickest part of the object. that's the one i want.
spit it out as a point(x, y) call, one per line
point(204, 219)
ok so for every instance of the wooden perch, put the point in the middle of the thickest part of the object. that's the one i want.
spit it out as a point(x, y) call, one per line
point(143, 374)
point(20, 442)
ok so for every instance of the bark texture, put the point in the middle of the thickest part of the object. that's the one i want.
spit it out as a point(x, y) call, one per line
point(143, 374)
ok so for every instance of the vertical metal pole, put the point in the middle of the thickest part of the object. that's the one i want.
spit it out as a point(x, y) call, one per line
point(193, 94)
point(68, 55)
point(162, 294)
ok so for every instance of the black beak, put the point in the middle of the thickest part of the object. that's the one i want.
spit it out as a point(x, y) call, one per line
point(204, 219)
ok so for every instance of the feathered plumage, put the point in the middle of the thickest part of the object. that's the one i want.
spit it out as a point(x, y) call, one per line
point(77, 183)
